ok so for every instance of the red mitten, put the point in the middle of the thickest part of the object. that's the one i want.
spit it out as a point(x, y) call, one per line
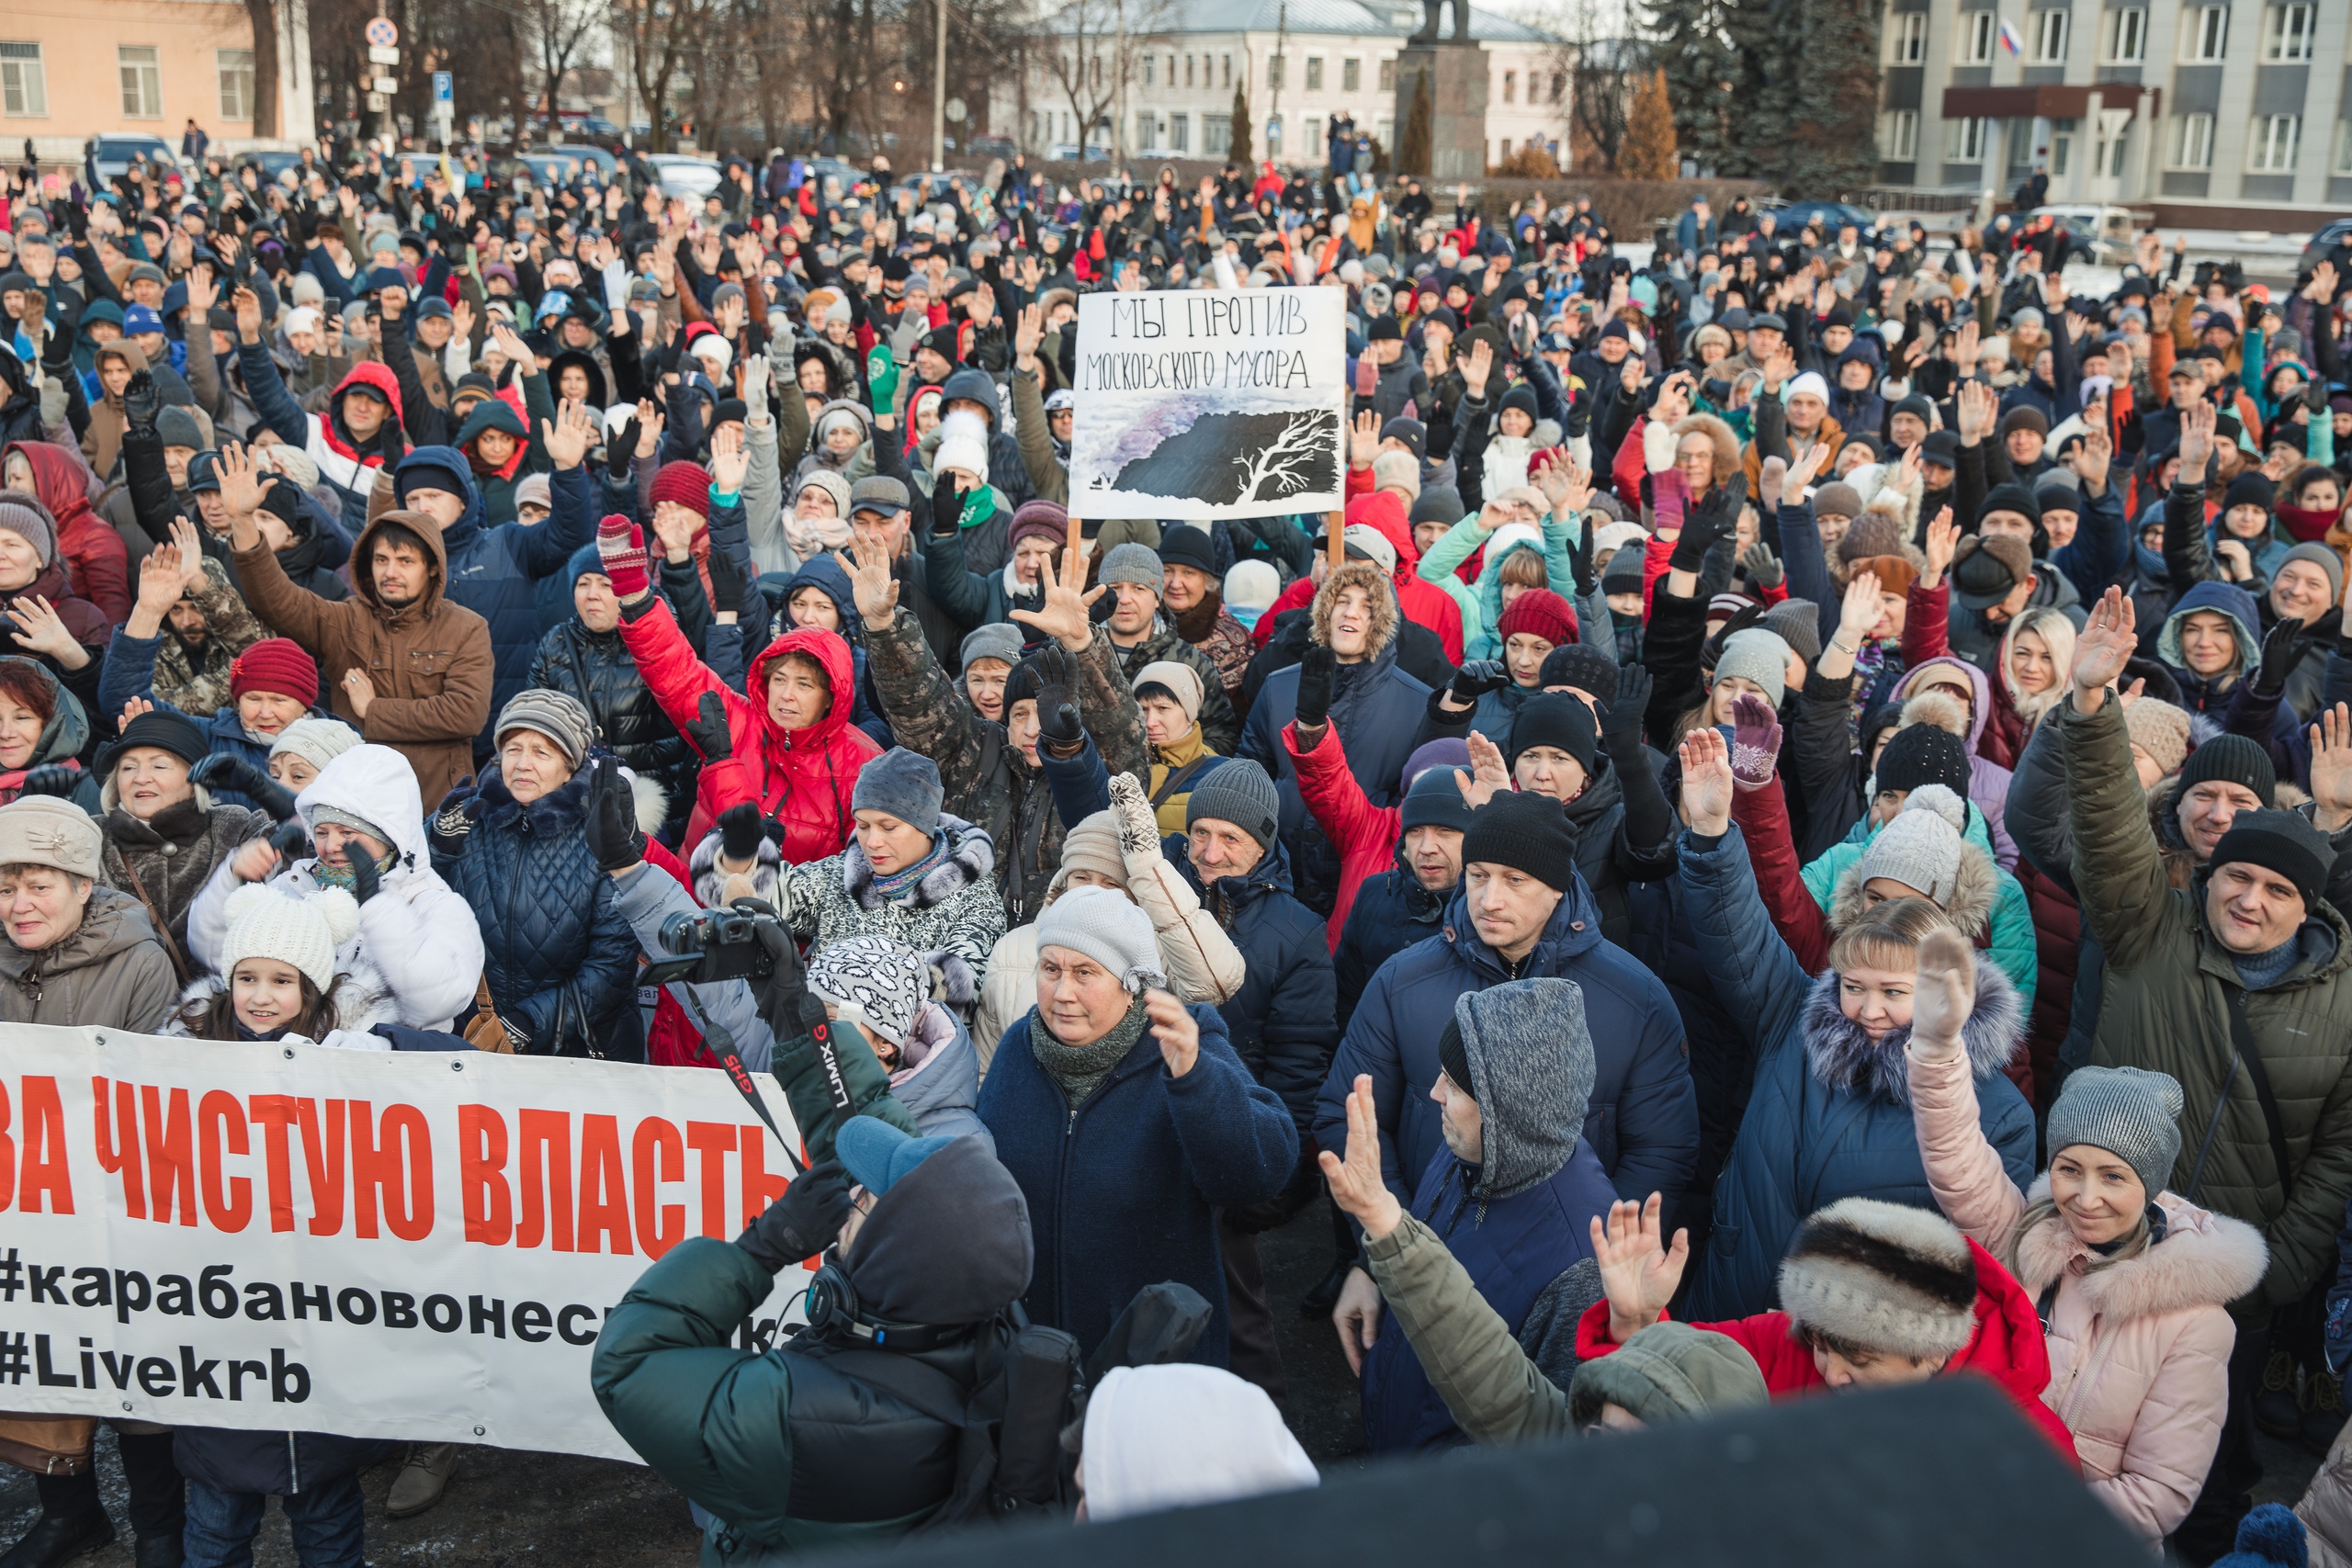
point(621, 545)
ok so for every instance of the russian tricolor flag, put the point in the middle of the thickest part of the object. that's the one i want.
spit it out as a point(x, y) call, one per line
point(2012, 40)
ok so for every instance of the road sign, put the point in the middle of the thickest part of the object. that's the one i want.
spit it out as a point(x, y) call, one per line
point(383, 32)
point(956, 111)
point(377, 103)
point(378, 55)
point(441, 86)
point(387, 85)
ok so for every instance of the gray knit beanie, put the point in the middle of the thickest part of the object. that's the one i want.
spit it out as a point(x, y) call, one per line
point(23, 513)
point(1239, 792)
point(558, 716)
point(1106, 926)
point(1796, 622)
point(2131, 1112)
point(1528, 1052)
point(998, 639)
point(905, 784)
point(1134, 563)
point(1921, 848)
point(2324, 557)
point(1758, 655)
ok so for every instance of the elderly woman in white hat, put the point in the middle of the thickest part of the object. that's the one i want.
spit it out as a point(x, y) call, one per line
point(74, 951)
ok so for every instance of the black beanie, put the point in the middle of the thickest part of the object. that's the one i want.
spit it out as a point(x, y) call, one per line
point(2252, 488)
point(2230, 759)
point(2279, 841)
point(1558, 720)
point(1434, 801)
point(1412, 433)
point(1522, 397)
point(1922, 754)
point(1527, 832)
point(1586, 668)
point(1453, 1057)
point(166, 729)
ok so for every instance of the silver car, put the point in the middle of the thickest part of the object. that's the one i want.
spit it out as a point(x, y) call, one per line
point(683, 175)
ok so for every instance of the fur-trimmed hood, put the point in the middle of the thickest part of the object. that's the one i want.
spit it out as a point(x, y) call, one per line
point(363, 998)
point(1974, 892)
point(1367, 576)
point(2205, 1260)
point(971, 857)
point(1841, 1056)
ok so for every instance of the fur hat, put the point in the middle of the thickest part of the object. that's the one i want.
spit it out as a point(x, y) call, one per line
point(1108, 929)
point(1373, 581)
point(1921, 848)
point(304, 932)
point(1882, 1277)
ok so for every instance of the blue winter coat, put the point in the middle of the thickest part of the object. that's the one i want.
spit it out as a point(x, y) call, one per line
point(1642, 1118)
point(1830, 1113)
point(553, 940)
point(495, 571)
point(1282, 1023)
point(1123, 1193)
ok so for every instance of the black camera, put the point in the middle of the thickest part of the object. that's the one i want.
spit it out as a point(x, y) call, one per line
point(710, 945)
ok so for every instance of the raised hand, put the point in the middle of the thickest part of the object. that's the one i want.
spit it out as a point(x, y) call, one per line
point(1478, 368)
point(1363, 441)
point(620, 545)
point(1762, 567)
point(2281, 651)
point(614, 838)
point(1771, 482)
point(2331, 741)
point(1943, 543)
point(710, 730)
point(142, 401)
point(39, 630)
point(1057, 725)
point(1317, 670)
point(160, 582)
point(248, 308)
point(1064, 614)
point(1638, 1273)
point(1977, 410)
point(2091, 459)
point(240, 485)
point(568, 438)
point(1138, 825)
point(1488, 776)
point(1177, 1030)
point(871, 585)
point(1356, 1184)
point(1028, 332)
point(1860, 613)
point(2101, 651)
point(1803, 467)
point(1755, 741)
point(1707, 783)
point(755, 392)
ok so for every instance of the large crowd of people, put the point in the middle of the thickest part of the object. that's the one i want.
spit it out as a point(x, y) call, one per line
point(1789, 836)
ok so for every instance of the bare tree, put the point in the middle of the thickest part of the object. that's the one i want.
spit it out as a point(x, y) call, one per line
point(663, 36)
point(842, 48)
point(1093, 51)
point(558, 28)
point(263, 15)
point(1602, 64)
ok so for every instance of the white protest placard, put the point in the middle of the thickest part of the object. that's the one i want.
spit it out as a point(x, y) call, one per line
point(376, 1244)
point(1209, 403)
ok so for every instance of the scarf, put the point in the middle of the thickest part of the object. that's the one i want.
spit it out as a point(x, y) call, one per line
point(979, 505)
point(1080, 1069)
point(327, 876)
point(904, 880)
point(1196, 624)
point(1873, 660)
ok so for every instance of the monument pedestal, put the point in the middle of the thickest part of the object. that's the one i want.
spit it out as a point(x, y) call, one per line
point(1456, 72)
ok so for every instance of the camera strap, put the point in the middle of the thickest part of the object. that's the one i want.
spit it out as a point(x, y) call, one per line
point(721, 1044)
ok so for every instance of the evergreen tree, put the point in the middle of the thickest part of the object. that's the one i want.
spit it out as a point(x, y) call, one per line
point(1649, 152)
point(1693, 41)
point(1831, 142)
point(1413, 152)
point(1239, 152)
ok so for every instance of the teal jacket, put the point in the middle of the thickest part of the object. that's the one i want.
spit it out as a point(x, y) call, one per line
point(2010, 919)
point(1482, 604)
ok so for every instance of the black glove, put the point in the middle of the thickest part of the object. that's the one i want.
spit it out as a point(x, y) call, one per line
point(1624, 717)
point(290, 839)
point(1704, 524)
point(804, 1222)
point(1476, 679)
point(366, 880)
point(1580, 557)
point(59, 779)
point(453, 821)
point(709, 729)
point(224, 770)
point(614, 837)
point(2288, 642)
point(1316, 672)
point(739, 832)
point(727, 584)
point(1057, 675)
point(619, 454)
point(142, 403)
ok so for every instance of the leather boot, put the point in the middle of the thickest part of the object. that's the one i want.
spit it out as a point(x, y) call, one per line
point(159, 1551)
point(422, 1480)
point(56, 1538)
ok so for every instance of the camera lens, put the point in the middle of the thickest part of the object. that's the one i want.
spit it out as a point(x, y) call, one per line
point(682, 932)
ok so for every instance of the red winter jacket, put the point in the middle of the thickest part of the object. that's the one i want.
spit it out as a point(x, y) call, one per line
point(803, 778)
point(2008, 1347)
point(87, 544)
point(1366, 834)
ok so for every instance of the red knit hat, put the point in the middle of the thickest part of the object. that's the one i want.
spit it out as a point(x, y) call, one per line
point(276, 664)
point(688, 484)
point(1541, 612)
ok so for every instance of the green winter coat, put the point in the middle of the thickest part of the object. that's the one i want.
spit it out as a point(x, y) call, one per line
point(2010, 918)
point(2165, 1006)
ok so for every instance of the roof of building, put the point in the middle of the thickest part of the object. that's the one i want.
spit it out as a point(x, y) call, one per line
point(1344, 18)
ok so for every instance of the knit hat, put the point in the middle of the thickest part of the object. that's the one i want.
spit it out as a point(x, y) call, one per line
point(2160, 730)
point(997, 640)
point(317, 741)
point(1034, 519)
point(1249, 588)
point(1137, 564)
point(831, 484)
point(2323, 557)
point(873, 982)
point(534, 489)
point(1400, 471)
point(1809, 384)
point(1179, 1435)
point(1434, 800)
point(1453, 1055)
point(1177, 680)
point(1527, 832)
point(903, 783)
point(304, 932)
point(2281, 841)
point(1989, 567)
point(1108, 927)
point(2131, 1113)
point(1796, 622)
point(2230, 759)
point(966, 450)
point(165, 729)
point(1668, 1373)
point(1588, 669)
point(1447, 753)
point(1920, 849)
point(558, 716)
point(177, 426)
point(2252, 488)
point(275, 664)
point(1759, 655)
point(21, 513)
point(1181, 544)
point(1408, 430)
point(878, 1155)
point(1873, 533)
point(1922, 754)
point(1093, 845)
point(1838, 499)
point(2025, 416)
point(2272, 1536)
point(1436, 503)
point(1238, 792)
point(688, 484)
point(1614, 536)
point(1539, 611)
point(41, 829)
point(1883, 1277)
point(1623, 574)
point(1557, 721)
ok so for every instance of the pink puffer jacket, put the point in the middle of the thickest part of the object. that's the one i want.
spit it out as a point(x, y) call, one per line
point(2139, 1349)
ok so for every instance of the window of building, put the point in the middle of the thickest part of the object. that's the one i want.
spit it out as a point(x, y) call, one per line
point(1351, 76)
point(1188, 72)
point(1216, 133)
point(1387, 75)
point(2125, 37)
point(2343, 165)
point(1506, 157)
point(1178, 132)
point(1274, 76)
point(1314, 73)
point(2050, 30)
point(1900, 135)
point(1225, 70)
point(1907, 39)
point(143, 80)
point(1559, 85)
point(1964, 141)
point(1977, 32)
point(1150, 62)
point(2204, 33)
point(2270, 144)
point(2287, 32)
point(24, 90)
point(235, 67)
point(1511, 90)
point(2192, 142)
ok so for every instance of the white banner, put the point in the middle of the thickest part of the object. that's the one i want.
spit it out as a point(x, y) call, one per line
point(1209, 403)
point(381, 1245)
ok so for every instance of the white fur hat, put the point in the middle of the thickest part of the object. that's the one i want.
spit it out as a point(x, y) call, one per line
point(305, 932)
point(963, 443)
point(1883, 1277)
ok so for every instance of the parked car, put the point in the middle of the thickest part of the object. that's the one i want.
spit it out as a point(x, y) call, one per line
point(683, 175)
point(271, 164)
point(2333, 235)
point(847, 174)
point(2097, 236)
point(581, 152)
point(112, 155)
point(992, 147)
point(1068, 152)
point(1833, 216)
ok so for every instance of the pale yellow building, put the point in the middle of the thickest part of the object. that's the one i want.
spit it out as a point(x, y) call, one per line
point(72, 69)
